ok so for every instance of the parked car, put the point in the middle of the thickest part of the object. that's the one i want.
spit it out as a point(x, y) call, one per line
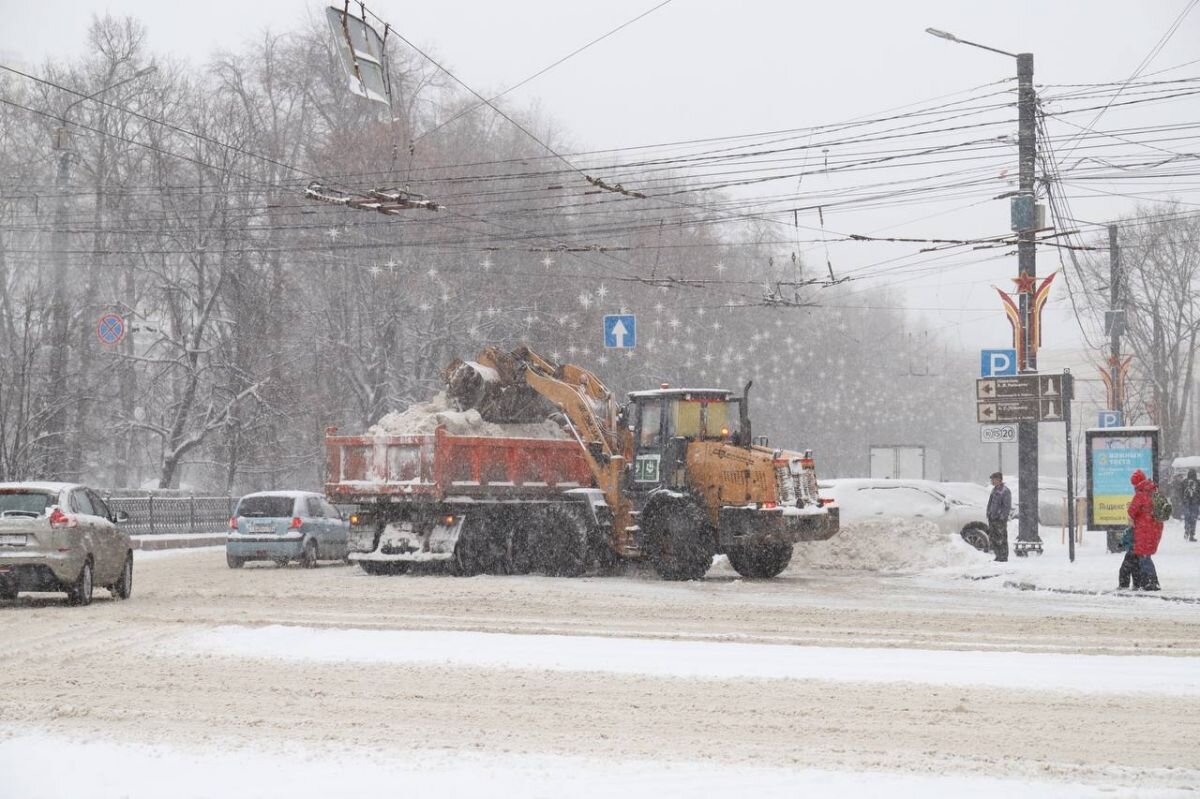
point(956, 508)
point(282, 526)
point(62, 537)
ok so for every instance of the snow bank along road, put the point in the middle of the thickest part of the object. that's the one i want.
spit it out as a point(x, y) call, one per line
point(893, 684)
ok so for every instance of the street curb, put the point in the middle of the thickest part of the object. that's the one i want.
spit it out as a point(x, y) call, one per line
point(148, 543)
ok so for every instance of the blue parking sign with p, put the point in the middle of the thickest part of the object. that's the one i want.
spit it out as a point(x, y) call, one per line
point(997, 363)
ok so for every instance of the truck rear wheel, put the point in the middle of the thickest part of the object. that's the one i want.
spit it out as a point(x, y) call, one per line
point(761, 557)
point(678, 539)
point(478, 550)
point(560, 545)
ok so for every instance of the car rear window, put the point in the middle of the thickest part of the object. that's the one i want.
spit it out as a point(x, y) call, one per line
point(26, 501)
point(265, 507)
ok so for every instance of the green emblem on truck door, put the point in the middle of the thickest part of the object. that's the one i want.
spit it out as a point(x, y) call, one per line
point(645, 468)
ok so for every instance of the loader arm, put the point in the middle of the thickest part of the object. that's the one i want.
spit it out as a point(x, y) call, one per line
point(603, 445)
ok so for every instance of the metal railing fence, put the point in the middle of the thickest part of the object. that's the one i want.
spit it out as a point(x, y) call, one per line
point(153, 515)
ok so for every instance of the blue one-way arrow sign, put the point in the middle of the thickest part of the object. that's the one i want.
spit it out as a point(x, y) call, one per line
point(620, 331)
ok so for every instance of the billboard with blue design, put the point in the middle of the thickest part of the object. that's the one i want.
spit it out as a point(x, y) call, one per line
point(1113, 454)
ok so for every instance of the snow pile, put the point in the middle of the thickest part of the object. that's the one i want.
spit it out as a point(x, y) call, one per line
point(422, 418)
point(901, 545)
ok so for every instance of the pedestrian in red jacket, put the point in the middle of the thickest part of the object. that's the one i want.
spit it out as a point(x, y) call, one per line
point(1147, 531)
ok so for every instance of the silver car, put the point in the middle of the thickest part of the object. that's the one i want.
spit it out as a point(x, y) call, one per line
point(62, 537)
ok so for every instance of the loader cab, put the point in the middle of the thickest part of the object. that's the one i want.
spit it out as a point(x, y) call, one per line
point(664, 421)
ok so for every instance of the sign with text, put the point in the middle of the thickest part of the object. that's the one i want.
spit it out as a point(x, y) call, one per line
point(1025, 398)
point(1112, 456)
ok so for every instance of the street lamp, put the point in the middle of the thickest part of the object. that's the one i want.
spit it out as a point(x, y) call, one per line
point(60, 316)
point(1027, 447)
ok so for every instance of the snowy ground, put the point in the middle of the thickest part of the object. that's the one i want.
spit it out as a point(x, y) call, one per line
point(892, 660)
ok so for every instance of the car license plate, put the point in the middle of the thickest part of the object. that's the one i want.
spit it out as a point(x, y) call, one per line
point(262, 527)
point(12, 540)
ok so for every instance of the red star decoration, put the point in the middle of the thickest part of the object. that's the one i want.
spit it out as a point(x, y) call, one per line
point(1024, 283)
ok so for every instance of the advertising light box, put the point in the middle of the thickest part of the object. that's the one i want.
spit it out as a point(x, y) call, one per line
point(1113, 454)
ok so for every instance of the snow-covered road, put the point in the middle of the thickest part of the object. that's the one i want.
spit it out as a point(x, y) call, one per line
point(902, 666)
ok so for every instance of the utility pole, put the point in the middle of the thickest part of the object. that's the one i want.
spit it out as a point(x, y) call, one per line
point(1027, 432)
point(1115, 323)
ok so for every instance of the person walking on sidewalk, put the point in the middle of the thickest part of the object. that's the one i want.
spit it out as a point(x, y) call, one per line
point(1147, 531)
point(1190, 497)
point(999, 508)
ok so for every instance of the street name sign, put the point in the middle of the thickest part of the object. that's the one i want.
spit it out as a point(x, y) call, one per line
point(1024, 398)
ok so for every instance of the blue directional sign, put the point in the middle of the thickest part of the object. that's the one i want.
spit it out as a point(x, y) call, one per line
point(1109, 419)
point(620, 331)
point(110, 329)
point(997, 363)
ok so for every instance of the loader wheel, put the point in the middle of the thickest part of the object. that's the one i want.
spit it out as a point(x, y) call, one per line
point(678, 539)
point(560, 544)
point(761, 557)
point(477, 550)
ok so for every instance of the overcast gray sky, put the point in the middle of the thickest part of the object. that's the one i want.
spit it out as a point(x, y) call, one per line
point(697, 69)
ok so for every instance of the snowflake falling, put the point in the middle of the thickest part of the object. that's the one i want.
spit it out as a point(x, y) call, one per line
point(585, 300)
point(375, 270)
point(486, 264)
point(547, 262)
point(602, 292)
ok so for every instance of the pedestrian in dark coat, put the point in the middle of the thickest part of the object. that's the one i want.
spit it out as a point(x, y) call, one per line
point(1190, 499)
point(999, 508)
point(1147, 531)
point(1130, 573)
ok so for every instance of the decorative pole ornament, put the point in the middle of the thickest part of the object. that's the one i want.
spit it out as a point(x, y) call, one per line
point(1026, 284)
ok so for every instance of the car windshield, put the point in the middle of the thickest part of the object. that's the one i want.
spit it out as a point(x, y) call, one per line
point(25, 501)
point(265, 507)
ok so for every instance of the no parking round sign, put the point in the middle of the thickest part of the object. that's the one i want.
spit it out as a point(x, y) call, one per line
point(110, 329)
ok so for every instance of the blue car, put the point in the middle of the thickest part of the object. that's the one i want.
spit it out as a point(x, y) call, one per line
point(286, 525)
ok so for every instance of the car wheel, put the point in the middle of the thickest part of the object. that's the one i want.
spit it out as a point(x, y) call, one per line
point(308, 558)
point(80, 592)
point(976, 534)
point(123, 587)
point(234, 561)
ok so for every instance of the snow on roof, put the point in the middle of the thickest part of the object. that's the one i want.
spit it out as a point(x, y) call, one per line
point(1186, 462)
point(48, 487)
point(291, 494)
point(674, 392)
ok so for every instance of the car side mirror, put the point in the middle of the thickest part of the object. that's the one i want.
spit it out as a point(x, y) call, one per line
point(120, 517)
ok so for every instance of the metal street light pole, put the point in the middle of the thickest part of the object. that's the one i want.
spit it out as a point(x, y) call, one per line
point(60, 316)
point(1027, 444)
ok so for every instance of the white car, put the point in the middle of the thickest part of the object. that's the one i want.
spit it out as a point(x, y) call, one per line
point(956, 508)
